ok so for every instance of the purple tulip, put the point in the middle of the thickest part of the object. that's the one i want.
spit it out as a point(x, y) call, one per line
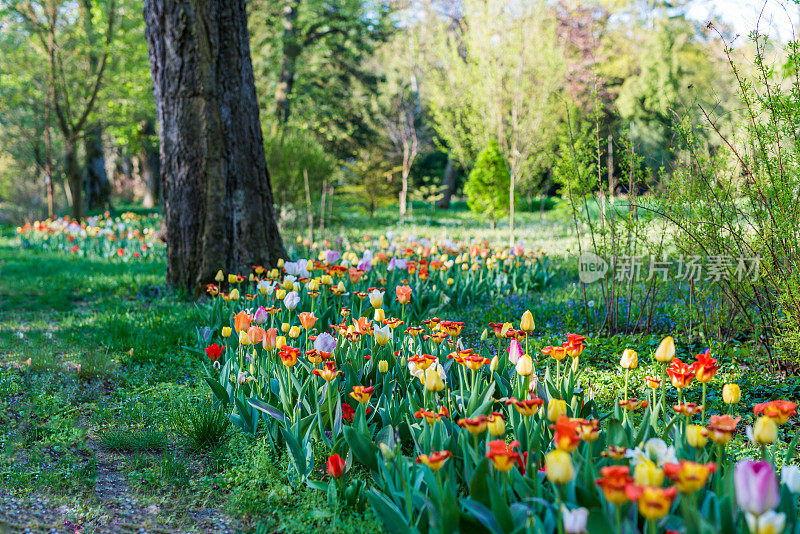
point(756, 486)
point(365, 265)
point(514, 351)
point(260, 316)
point(331, 256)
point(325, 342)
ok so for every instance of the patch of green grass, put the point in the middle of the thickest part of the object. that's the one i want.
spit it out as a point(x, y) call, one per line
point(201, 424)
point(129, 440)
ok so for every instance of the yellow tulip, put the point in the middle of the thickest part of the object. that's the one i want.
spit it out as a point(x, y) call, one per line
point(526, 323)
point(380, 315)
point(226, 331)
point(666, 350)
point(556, 408)
point(244, 339)
point(280, 341)
point(234, 294)
point(433, 382)
point(220, 276)
point(280, 294)
point(765, 430)
point(285, 327)
point(697, 436)
point(233, 279)
point(558, 467)
point(294, 332)
point(731, 393)
point(524, 365)
point(646, 473)
point(383, 366)
point(629, 360)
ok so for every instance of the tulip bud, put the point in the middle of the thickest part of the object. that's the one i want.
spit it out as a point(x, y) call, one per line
point(556, 408)
point(558, 467)
point(731, 393)
point(280, 341)
point(496, 426)
point(280, 263)
point(244, 339)
point(646, 473)
point(234, 294)
point(380, 315)
point(697, 436)
point(226, 331)
point(666, 350)
point(524, 365)
point(526, 323)
point(388, 452)
point(494, 363)
point(433, 382)
point(294, 332)
point(765, 430)
point(484, 334)
point(220, 276)
point(630, 359)
point(383, 366)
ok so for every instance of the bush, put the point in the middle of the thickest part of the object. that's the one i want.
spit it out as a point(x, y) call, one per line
point(290, 152)
point(488, 183)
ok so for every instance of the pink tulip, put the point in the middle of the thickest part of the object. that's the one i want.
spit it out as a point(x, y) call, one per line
point(260, 316)
point(756, 486)
point(514, 351)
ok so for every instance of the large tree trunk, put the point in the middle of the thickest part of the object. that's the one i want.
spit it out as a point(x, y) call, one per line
point(149, 165)
point(289, 53)
point(449, 183)
point(217, 194)
point(98, 188)
point(74, 177)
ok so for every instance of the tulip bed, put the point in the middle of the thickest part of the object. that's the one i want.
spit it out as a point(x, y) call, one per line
point(125, 237)
point(499, 434)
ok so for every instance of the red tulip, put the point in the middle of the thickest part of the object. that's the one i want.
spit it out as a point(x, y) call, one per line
point(335, 466)
point(214, 352)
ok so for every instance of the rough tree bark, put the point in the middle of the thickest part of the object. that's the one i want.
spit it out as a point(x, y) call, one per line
point(449, 182)
point(98, 187)
point(150, 165)
point(217, 194)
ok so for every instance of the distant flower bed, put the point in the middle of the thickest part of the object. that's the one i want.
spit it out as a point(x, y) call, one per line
point(126, 237)
point(500, 436)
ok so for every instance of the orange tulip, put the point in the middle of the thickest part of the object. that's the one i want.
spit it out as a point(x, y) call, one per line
point(705, 367)
point(435, 460)
point(307, 319)
point(241, 321)
point(778, 410)
point(614, 480)
point(680, 373)
point(566, 436)
point(403, 294)
point(503, 456)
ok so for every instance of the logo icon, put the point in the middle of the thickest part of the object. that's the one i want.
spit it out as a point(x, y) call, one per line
point(591, 267)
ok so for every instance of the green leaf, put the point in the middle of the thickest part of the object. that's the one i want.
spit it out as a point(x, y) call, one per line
point(258, 404)
point(218, 390)
point(391, 517)
point(364, 450)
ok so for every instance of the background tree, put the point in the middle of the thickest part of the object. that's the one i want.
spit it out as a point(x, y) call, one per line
point(499, 81)
point(217, 194)
point(487, 184)
point(75, 64)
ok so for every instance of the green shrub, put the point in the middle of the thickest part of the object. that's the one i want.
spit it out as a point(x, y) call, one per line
point(488, 183)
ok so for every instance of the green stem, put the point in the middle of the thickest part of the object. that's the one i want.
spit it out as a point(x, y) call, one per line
point(703, 411)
